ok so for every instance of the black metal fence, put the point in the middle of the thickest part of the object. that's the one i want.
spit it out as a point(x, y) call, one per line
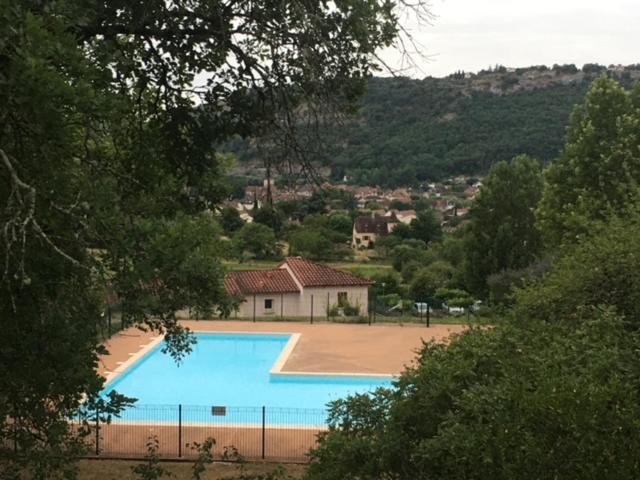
point(252, 433)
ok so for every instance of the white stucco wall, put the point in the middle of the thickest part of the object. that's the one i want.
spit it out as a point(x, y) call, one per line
point(299, 305)
point(324, 297)
point(285, 304)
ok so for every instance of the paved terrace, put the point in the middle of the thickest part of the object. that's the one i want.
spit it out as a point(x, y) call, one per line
point(323, 347)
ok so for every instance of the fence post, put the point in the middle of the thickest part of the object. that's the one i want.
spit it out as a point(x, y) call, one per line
point(328, 306)
point(311, 308)
point(179, 430)
point(109, 318)
point(254, 307)
point(374, 310)
point(264, 415)
point(428, 314)
point(97, 430)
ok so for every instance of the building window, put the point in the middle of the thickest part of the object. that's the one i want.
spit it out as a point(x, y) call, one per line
point(268, 304)
point(366, 237)
point(342, 299)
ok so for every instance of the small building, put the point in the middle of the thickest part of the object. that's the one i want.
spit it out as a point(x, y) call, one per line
point(297, 288)
point(403, 216)
point(366, 230)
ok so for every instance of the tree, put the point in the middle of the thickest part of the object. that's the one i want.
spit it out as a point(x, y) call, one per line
point(407, 251)
point(426, 226)
point(550, 391)
point(453, 297)
point(428, 280)
point(256, 240)
point(341, 223)
point(385, 283)
point(311, 244)
point(230, 220)
point(106, 165)
point(597, 174)
point(270, 217)
point(498, 403)
point(602, 271)
point(503, 234)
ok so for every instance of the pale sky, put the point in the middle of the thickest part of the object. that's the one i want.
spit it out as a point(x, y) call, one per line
point(473, 34)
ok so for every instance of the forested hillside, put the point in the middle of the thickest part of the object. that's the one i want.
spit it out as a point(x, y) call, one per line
point(409, 131)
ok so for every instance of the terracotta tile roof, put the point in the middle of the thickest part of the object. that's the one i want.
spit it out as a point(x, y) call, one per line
point(311, 274)
point(260, 281)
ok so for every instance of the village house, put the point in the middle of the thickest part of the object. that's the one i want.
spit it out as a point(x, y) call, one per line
point(403, 216)
point(297, 288)
point(366, 230)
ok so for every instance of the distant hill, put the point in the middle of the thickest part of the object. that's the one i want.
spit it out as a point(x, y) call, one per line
point(410, 131)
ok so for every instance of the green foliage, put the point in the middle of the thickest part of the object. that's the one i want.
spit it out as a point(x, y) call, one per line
point(597, 174)
point(256, 240)
point(435, 127)
point(340, 223)
point(269, 217)
point(428, 280)
point(312, 244)
point(321, 237)
point(204, 457)
point(453, 297)
point(344, 308)
point(108, 167)
point(406, 252)
point(603, 270)
point(152, 469)
point(498, 404)
point(503, 234)
point(552, 391)
point(230, 220)
point(389, 300)
point(384, 284)
point(503, 284)
point(426, 227)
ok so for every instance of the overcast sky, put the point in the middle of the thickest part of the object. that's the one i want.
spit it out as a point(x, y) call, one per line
point(473, 34)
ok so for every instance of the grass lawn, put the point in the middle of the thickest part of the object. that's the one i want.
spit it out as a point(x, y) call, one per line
point(367, 270)
point(120, 469)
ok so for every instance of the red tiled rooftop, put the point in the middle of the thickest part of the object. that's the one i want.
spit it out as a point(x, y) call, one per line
point(311, 274)
point(260, 281)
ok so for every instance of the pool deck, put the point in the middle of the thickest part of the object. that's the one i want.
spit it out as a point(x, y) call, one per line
point(321, 348)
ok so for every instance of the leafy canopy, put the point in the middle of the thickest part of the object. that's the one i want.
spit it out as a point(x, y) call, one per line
point(109, 112)
point(597, 174)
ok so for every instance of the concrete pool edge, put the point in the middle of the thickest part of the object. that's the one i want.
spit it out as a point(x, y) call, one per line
point(276, 370)
point(134, 358)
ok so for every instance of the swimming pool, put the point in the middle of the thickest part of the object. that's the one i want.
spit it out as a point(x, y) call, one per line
point(233, 371)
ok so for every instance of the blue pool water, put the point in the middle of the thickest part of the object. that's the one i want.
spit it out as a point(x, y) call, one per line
point(233, 371)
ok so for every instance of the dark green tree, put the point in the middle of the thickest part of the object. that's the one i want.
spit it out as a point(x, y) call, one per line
point(107, 164)
point(428, 280)
point(519, 400)
point(270, 217)
point(503, 234)
point(426, 226)
point(230, 220)
point(255, 241)
point(310, 243)
point(597, 174)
